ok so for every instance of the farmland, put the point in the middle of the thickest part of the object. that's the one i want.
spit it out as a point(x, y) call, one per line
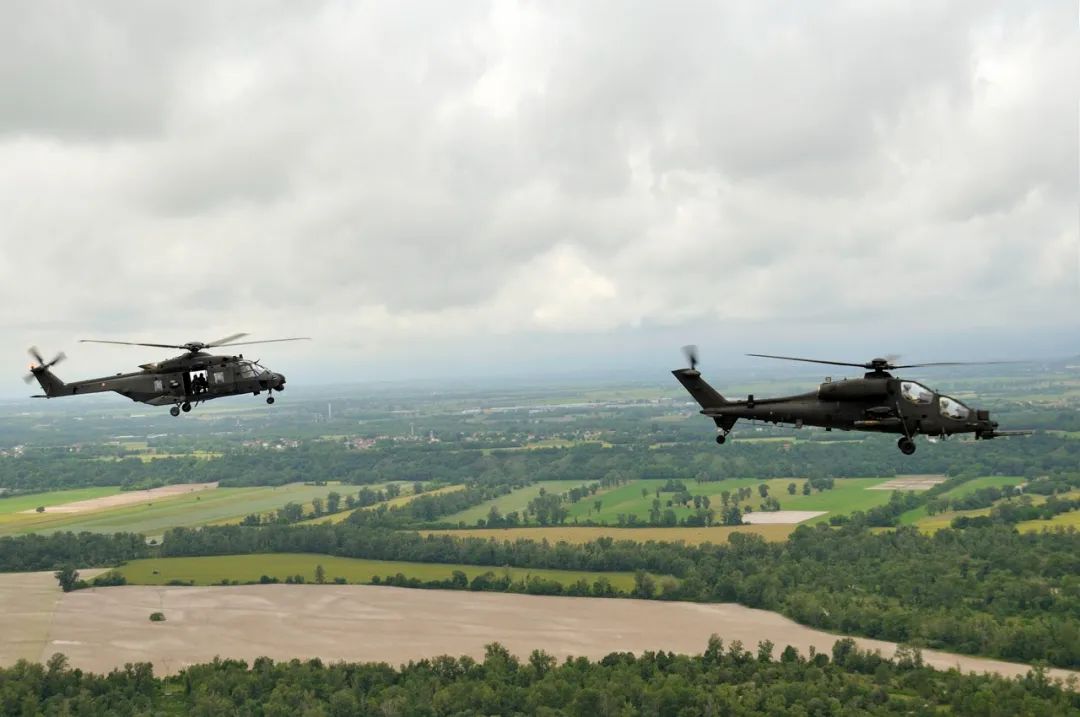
point(585, 534)
point(391, 503)
point(19, 503)
point(920, 517)
point(516, 500)
point(636, 498)
point(250, 568)
point(155, 516)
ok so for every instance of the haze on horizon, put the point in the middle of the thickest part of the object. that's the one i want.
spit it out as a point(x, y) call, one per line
point(511, 187)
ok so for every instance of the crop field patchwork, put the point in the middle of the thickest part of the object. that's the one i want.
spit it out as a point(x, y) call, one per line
point(341, 516)
point(19, 503)
point(157, 515)
point(920, 517)
point(584, 534)
point(245, 568)
point(636, 498)
point(517, 500)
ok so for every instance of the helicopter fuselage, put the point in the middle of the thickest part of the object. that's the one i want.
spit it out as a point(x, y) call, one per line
point(180, 381)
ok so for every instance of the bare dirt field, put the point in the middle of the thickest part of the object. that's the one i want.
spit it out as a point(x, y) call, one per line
point(28, 602)
point(104, 628)
point(912, 482)
point(126, 498)
point(781, 517)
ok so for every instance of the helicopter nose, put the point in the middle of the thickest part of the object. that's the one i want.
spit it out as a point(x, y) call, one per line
point(279, 382)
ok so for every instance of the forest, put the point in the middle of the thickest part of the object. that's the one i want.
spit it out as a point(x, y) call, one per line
point(724, 680)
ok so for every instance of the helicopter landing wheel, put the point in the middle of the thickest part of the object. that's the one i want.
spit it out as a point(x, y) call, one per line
point(270, 399)
point(185, 406)
point(721, 439)
point(175, 410)
point(906, 446)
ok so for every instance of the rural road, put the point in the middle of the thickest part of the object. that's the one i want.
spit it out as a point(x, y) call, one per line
point(104, 628)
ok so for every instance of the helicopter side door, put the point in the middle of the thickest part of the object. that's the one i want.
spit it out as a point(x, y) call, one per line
point(221, 380)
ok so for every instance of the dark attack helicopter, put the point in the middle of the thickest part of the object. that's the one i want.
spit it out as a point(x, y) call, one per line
point(190, 378)
point(876, 402)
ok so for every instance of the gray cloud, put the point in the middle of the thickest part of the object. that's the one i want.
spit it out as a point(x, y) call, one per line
point(455, 175)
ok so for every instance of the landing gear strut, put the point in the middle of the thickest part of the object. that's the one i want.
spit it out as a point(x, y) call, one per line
point(906, 446)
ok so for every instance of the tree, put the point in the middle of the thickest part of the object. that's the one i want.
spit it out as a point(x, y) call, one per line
point(320, 574)
point(791, 488)
point(157, 617)
point(40, 509)
point(806, 488)
point(317, 506)
point(333, 501)
point(598, 504)
point(644, 585)
point(763, 490)
point(68, 577)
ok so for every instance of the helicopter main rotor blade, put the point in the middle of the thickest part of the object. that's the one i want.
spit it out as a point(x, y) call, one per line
point(226, 340)
point(809, 360)
point(267, 341)
point(131, 343)
point(956, 363)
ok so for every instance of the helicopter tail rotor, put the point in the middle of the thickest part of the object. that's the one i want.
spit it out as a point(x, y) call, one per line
point(40, 365)
point(691, 353)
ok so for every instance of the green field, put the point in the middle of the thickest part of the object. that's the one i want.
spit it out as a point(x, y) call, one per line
point(341, 516)
point(20, 503)
point(716, 534)
point(920, 517)
point(156, 516)
point(245, 568)
point(517, 500)
point(847, 495)
point(1062, 520)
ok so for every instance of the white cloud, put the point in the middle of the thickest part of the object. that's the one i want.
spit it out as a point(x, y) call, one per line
point(445, 174)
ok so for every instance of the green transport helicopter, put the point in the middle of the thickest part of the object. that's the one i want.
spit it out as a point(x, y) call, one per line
point(192, 378)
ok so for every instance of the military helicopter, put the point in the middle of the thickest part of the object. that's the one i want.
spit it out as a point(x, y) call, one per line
point(189, 379)
point(876, 402)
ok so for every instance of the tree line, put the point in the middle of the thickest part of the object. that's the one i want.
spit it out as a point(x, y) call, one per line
point(726, 679)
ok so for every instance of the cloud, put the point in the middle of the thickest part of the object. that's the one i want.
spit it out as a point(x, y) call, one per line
point(567, 174)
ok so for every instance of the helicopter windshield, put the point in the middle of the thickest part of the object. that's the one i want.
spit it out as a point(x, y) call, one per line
point(951, 408)
point(916, 392)
point(246, 369)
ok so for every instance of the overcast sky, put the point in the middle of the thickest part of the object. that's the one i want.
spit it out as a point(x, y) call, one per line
point(461, 187)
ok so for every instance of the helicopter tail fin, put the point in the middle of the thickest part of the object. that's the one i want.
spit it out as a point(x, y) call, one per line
point(52, 385)
point(703, 393)
point(706, 396)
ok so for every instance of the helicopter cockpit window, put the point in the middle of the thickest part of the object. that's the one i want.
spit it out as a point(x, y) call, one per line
point(247, 370)
point(916, 392)
point(951, 408)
